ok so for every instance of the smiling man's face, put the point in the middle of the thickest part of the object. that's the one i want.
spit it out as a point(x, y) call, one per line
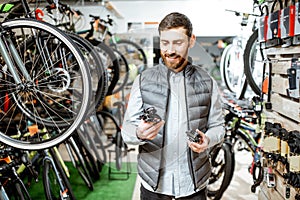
point(174, 47)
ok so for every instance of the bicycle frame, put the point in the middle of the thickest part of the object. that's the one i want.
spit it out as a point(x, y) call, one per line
point(245, 130)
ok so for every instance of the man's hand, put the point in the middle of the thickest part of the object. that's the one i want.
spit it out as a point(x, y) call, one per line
point(202, 145)
point(148, 130)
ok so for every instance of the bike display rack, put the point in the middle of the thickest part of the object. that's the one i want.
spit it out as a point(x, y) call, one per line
point(122, 174)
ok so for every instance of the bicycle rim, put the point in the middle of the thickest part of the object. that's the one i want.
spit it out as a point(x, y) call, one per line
point(110, 128)
point(89, 159)
point(233, 69)
point(222, 172)
point(111, 64)
point(123, 72)
point(80, 164)
point(135, 56)
point(51, 181)
point(97, 71)
point(57, 95)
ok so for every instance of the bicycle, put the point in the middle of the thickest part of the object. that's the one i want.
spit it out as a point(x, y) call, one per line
point(232, 63)
point(62, 14)
point(221, 44)
point(99, 79)
point(132, 52)
point(12, 186)
point(243, 132)
point(255, 68)
point(44, 75)
point(55, 173)
point(112, 60)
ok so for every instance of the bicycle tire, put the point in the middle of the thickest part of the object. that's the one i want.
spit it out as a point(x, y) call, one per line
point(64, 127)
point(235, 84)
point(252, 63)
point(224, 168)
point(91, 134)
point(21, 192)
point(97, 71)
point(111, 64)
point(99, 137)
point(110, 126)
point(49, 171)
point(89, 159)
point(232, 70)
point(79, 163)
point(135, 56)
point(123, 72)
point(222, 63)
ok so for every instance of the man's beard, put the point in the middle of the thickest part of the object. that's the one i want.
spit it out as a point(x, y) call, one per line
point(174, 65)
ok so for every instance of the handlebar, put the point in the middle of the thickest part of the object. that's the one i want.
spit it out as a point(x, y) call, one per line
point(106, 22)
point(237, 13)
point(239, 111)
point(62, 8)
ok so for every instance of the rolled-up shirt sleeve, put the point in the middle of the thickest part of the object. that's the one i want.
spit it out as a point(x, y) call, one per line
point(215, 131)
point(131, 118)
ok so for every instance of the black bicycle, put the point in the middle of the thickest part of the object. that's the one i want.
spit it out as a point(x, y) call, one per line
point(241, 124)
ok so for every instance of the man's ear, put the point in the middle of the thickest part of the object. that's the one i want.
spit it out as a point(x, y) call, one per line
point(192, 41)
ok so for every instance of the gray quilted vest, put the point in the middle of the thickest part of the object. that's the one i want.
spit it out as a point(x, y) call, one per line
point(154, 86)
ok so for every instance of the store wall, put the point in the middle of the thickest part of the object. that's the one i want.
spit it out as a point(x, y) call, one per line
point(209, 17)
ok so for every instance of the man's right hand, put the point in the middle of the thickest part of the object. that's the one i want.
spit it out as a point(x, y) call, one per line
point(148, 130)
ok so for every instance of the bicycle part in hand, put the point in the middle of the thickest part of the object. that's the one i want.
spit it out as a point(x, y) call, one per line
point(150, 115)
point(193, 136)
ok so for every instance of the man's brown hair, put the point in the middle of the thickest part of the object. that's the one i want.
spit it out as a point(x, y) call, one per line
point(174, 20)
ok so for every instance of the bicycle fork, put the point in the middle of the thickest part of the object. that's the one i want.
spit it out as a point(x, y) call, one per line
point(63, 189)
point(6, 45)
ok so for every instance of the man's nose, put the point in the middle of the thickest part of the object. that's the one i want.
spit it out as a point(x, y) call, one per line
point(170, 48)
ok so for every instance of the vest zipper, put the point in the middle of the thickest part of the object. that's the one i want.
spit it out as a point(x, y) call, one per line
point(164, 130)
point(189, 152)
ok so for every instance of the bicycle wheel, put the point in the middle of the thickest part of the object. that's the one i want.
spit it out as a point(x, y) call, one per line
point(123, 72)
point(223, 162)
point(86, 134)
point(222, 63)
point(56, 184)
point(99, 137)
point(135, 56)
point(233, 71)
point(52, 74)
point(78, 162)
point(253, 63)
point(21, 192)
point(88, 157)
point(98, 73)
point(111, 64)
point(111, 128)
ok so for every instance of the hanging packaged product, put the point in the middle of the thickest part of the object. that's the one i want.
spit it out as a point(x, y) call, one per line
point(294, 78)
point(287, 23)
point(274, 33)
point(263, 26)
point(296, 39)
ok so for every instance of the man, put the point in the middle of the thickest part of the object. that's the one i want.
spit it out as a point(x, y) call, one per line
point(186, 98)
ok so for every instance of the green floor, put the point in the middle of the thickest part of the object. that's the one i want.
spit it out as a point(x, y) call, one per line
point(116, 188)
